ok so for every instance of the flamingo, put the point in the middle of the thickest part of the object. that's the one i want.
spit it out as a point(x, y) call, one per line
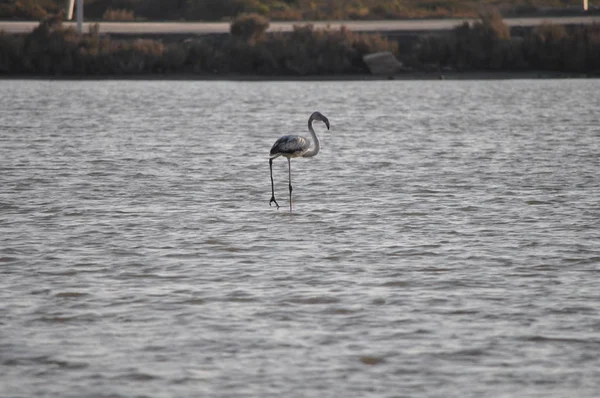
point(295, 146)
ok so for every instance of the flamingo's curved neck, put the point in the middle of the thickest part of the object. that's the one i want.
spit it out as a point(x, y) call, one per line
point(316, 144)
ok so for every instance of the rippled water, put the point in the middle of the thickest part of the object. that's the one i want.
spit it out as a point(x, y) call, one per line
point(445, 241)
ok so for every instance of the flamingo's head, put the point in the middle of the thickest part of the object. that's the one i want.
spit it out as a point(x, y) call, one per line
point(321, 117)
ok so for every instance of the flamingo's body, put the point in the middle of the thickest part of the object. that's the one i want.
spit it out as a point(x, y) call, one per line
point(295, 146)
point(290, 146)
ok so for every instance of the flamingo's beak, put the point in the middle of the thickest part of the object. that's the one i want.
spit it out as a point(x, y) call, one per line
point(326, 122)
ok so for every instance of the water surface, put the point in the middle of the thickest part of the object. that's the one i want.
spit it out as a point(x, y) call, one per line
point(445, 241)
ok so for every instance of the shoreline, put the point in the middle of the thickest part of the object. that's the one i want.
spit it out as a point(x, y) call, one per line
point(61, 54)
point(488, 75)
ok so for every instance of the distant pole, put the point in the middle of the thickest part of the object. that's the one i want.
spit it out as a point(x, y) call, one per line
point(70, 5)
point(585, 5)
point(80, 16)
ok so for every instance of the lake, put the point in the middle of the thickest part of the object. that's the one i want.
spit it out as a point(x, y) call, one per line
point(444, 242)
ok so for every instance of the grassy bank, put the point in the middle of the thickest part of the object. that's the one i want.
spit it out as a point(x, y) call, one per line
point(485, 46)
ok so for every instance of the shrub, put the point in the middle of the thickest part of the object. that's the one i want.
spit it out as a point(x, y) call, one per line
point(138, 56)
point(52, 49)
point(173, 59)
point(118, 15)
point(309, 51)
point(550, 33)
point(250, 27)
point(27, 9)
point(491, 26)
point(10, 53)
point(479, 45)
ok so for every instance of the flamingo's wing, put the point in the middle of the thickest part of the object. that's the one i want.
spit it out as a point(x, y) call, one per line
point(290, 145)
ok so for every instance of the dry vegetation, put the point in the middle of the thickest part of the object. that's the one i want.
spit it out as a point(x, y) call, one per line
point(118, 15)
point(52, 49)
point(485, 45)
point(283, 9)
